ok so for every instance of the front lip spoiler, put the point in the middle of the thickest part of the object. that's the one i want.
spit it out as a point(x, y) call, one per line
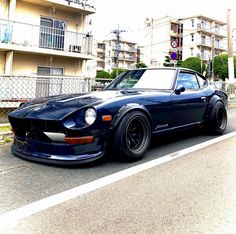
point(59, 160)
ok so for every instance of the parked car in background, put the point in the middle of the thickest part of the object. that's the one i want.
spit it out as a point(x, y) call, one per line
point(78, 128)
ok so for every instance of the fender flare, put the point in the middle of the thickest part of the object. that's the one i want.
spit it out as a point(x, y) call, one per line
point(128, 108)
point(213, 101)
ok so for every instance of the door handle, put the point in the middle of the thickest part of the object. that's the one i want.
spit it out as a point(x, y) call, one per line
point(203, 99)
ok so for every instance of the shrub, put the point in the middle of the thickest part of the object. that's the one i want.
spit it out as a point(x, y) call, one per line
point(103, 74)
point(194, 63)
point(116, 71)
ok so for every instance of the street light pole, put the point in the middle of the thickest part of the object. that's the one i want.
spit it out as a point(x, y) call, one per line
point(230, 49)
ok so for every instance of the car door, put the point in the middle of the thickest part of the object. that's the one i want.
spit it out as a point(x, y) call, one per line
point(188, 106)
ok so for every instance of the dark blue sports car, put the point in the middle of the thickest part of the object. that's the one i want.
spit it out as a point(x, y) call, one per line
point(78, 128)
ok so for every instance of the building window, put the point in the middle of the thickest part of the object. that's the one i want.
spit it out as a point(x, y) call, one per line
point(50, 71)
point(48, 86)
point(192, 22)
point(52, 33)
point(191, 51)
point(203, 39)
point(217, 29)
point(203, 24)
point(192, 36)
point(217, 43)
point(202, 54)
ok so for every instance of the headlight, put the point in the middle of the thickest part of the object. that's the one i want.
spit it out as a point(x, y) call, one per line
point(90, 116)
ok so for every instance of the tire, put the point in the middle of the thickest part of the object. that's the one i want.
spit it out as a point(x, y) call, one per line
point(218, 119)
point(132, 137)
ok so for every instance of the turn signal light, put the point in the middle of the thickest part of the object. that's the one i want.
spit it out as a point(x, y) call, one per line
point(106, 118)
point(79, 140)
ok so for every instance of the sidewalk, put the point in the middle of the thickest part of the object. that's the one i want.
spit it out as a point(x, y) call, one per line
point(5, 136)
point(190, 194)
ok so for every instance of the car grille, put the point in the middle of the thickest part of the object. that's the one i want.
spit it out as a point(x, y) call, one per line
point(34, 129)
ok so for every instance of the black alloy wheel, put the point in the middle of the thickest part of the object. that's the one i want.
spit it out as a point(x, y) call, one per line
point(218, 118)
point(133, 136)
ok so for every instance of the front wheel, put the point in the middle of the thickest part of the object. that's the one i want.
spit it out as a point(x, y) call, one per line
point(218, 119)
point(132, 137)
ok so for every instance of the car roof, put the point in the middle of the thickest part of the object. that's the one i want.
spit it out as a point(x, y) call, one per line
point(170, 68)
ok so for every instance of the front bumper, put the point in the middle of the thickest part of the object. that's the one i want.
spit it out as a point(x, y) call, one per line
point(58, 153)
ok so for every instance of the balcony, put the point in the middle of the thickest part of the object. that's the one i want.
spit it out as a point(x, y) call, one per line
point(205, 57)
point(82, 6)
point(125, 48)
point(128, 58)
point(208, 29)
point(100, 58)
point(205, 43)
point(219, 47)
point(44, 40)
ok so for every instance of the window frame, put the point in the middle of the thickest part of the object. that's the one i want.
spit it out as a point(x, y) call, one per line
point(190, 73)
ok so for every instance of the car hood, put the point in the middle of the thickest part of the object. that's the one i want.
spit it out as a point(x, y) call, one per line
point(57, 107)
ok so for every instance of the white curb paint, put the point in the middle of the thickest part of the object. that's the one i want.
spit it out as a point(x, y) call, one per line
point(67, 195)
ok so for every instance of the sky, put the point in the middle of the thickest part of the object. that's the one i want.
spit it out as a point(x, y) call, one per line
point(130, 15)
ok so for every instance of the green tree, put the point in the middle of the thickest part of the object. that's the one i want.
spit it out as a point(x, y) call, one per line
point(220, 66)
point(103, 74)
point(167, 61)
point(194, 63)
point(116, 71)
point(179, 63)
point(140, 65)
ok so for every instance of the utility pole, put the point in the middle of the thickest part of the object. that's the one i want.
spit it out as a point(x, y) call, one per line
point(212, 55)
point(117, 33)
point(230, 49)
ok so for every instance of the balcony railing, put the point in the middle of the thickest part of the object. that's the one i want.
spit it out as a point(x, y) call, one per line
point(125, 48)
point(204, 42)
point(128, 58)
point(83, 3)
point(212, 30)
point(29, 35)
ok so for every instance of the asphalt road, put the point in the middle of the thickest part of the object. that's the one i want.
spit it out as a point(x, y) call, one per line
point(23, 182)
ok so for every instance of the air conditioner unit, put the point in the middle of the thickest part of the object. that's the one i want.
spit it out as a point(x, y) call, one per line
point(75, 48)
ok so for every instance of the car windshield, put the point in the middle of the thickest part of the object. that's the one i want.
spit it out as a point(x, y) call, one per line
point(144, 79)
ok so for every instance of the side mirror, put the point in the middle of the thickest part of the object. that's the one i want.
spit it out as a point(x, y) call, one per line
point(179, 89)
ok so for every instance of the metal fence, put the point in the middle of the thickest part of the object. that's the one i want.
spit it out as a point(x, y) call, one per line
point(17, 89)
point(230, 89)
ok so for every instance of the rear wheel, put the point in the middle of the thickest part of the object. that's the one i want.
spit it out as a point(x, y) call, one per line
point(218, 118)
point(132, 137)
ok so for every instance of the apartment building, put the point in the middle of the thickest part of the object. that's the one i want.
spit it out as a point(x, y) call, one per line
point(157, 40)
point(45, 37)
point(203, 37)
point(196, 36)
point(107, 54)
point(101, 52)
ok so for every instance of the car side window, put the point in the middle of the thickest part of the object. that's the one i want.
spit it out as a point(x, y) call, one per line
point(202, 82)
point(188, 80)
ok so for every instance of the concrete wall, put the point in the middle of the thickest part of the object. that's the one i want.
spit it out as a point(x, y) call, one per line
point(2, 62)
point(26, 64)
point(30, 13)
point(4, 9)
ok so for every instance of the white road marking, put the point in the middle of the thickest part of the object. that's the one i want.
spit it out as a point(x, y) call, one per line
point(43, 204)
